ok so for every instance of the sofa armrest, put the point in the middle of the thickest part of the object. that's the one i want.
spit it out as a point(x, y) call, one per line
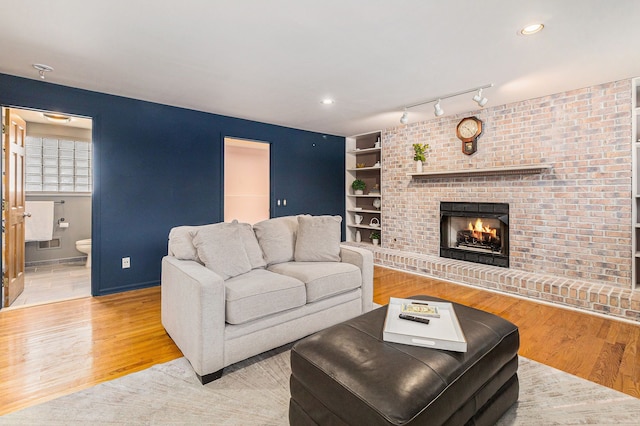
point(363, 259)
point(193, 312)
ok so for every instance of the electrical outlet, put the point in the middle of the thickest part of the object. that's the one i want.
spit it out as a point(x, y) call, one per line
point(126, 262)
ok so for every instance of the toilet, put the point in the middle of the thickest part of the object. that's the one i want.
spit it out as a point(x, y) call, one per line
point(84, 246)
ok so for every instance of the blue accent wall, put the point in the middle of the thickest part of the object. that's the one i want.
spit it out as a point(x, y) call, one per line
point(157, 166)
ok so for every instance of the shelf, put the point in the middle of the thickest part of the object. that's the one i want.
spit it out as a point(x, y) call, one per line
point(494, 171)
point(364, 151)
point(363, 169)
point(373, 211)
point(376, 228)
point(361, 243)
point(365, 196)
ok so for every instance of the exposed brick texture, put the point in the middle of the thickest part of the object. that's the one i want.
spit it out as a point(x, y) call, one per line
point(570, 227)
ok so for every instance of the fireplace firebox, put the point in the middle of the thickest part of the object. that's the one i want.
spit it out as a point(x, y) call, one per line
point(475, 232)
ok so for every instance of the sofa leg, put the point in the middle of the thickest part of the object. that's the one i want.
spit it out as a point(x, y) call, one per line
point(208, 378)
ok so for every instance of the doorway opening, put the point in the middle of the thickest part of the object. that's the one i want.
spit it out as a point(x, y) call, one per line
point(47, 194)
point(246, 180)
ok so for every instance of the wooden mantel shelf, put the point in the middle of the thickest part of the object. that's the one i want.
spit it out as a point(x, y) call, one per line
point(494, 171)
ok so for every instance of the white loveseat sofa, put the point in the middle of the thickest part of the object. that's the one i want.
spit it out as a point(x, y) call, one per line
point(231, 291)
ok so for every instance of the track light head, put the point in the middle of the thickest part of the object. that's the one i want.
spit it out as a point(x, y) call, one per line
point(405, 117)
point(438, 110)
point(479, 99)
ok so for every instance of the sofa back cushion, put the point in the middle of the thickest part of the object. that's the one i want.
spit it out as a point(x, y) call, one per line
point(220, 248)
point(181, 242)
point(318, 239)
point(277, 238)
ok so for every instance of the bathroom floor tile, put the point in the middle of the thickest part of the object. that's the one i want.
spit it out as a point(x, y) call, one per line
point(53, 283)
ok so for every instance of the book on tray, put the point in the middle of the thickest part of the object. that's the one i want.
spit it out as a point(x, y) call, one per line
point(420, 309)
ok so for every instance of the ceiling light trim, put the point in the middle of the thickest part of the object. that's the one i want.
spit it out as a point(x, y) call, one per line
point(531, 29)
point(56, 118)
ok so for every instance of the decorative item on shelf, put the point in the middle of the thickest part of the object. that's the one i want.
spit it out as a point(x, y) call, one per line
point(419, 155)
point(358, 186)
point(360, 165)
point(358, 237)
point(375, 238)
point(358, 218)
point(377, 203)
point(377, 164)
point(375, 190)
point(374, 222)
point(377, 144)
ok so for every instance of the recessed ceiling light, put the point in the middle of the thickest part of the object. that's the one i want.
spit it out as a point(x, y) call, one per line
point(57, 118)
point(327, 101)
point(531, 29)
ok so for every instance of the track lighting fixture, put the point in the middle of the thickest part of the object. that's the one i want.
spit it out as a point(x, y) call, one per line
point(438, 111)
point(479, 99)
point(405, 117)
point(42, 69)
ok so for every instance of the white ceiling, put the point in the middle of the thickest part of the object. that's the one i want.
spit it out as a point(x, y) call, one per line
point(274, 60)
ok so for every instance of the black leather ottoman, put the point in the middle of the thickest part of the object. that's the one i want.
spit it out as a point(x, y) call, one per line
point(347, 375)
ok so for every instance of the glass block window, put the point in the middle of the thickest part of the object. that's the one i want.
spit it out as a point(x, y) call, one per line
point(57, 165)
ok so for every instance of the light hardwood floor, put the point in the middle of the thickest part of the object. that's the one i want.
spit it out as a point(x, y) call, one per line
point(52, 350)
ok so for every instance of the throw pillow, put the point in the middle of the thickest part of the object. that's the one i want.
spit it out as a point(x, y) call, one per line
point(254, 252)
point(277, 238)
point(220, 248)
point(181, 243)
point(318, 239)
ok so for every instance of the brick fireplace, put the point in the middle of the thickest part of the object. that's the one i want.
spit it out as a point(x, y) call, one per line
point(570, 224)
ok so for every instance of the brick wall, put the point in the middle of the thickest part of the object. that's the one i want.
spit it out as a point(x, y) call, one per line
point(570, 223)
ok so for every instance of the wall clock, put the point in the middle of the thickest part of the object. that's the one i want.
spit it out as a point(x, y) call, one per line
point(468, 131)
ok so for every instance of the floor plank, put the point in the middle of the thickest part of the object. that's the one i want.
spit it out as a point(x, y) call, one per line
point(55, 349)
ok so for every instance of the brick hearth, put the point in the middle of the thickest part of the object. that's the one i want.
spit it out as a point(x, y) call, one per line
point(601, 298)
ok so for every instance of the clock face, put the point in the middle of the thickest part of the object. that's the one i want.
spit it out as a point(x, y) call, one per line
point(468, 128)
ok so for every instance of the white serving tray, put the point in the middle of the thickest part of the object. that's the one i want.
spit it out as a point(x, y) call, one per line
point(441, 333)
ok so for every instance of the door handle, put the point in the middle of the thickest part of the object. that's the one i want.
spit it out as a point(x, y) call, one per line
point(25, 214)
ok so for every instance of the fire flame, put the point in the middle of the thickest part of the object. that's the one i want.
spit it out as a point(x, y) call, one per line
point(478, 229)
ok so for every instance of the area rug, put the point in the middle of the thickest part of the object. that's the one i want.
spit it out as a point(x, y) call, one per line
point(256, 392)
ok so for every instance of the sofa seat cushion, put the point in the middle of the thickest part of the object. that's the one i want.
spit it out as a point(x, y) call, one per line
point(259, 293)
point(322, 279)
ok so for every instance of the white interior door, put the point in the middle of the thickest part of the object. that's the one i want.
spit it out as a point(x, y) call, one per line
point(246, 180)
